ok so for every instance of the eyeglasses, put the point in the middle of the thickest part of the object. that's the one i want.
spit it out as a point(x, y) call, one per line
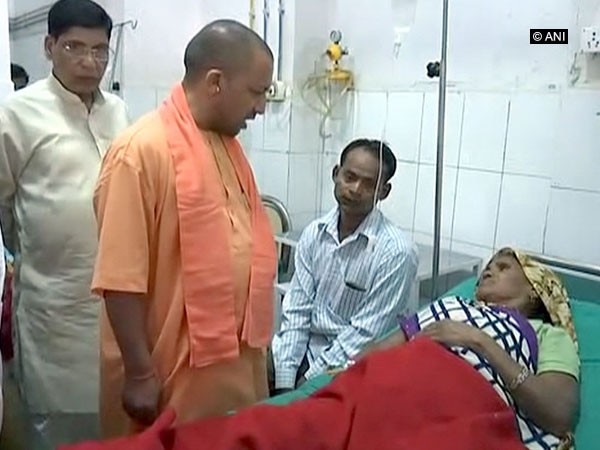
point(80, 51)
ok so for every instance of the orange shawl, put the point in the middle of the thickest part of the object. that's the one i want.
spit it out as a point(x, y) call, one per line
point(207, 276)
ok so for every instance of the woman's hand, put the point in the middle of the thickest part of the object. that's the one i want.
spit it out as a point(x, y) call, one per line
point(550, 399)
point(450, 333)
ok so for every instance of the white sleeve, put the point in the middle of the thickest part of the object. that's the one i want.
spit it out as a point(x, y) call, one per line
point(2, 275)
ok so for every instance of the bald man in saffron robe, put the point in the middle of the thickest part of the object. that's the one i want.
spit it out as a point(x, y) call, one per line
point(186, 258)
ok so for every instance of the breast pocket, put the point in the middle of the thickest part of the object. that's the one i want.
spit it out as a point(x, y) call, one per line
point(357, 279)
point(347, 303)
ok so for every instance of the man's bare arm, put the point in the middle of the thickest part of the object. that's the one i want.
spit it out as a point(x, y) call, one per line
point(127, 315)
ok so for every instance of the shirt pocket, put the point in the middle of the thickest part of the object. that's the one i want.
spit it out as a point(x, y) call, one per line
point(357, 280)
point(347, 303)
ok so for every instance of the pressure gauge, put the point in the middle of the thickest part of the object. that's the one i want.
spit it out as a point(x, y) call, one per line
point(336, 36)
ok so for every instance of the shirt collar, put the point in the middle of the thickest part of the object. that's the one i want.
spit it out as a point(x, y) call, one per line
point(367, 228)
point(57, 87)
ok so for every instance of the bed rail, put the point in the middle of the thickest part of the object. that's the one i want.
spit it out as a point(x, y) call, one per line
point(558, 263)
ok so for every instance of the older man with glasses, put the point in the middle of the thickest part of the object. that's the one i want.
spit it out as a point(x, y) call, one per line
point(54, 134)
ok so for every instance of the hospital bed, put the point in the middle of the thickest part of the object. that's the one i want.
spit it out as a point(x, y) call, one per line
point(583, 285)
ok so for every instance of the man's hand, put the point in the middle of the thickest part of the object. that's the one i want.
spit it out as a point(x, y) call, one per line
point(397, 338)
point(141, 398)
point(450, 333)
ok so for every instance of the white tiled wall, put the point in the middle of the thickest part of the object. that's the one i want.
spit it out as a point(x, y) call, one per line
point(523, 212)
point(304, 128)
point(277, 122)
point(405, 112)
point(329, 160)
point(520, 154)
point(452, 130)
point(521, 169)
point(521, 157)
point(573, 225)
point(271, 170)
point(140, 100)
point(476, 210)
point(484, 131)
point(303, 189)
point(577, 157)
point(521, 148)
point(400, 206)
point(424, 200)
point(370, 113)
point(533, 126)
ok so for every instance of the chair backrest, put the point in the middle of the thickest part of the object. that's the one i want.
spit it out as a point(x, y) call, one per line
point(278, 214)
point(281, 223)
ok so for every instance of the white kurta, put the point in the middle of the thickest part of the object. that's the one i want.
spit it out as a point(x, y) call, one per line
point(2, 275)
point(50, 153)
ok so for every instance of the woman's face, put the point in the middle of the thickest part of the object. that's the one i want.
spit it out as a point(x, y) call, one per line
point(504, 283)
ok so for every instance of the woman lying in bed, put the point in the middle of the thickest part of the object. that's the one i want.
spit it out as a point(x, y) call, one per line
point(504, 378)
point(542, 387)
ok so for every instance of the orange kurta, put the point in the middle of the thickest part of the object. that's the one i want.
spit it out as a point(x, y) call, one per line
point(139, 252)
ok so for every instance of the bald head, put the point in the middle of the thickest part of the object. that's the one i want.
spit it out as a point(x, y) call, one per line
point(226, 45)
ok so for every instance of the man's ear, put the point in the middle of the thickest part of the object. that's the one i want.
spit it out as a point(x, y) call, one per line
point(384, 192)
point(49, 43)
point(214, 81)
point(335, 172)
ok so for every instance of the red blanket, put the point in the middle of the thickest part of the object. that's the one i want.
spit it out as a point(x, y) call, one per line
point(417, 396)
